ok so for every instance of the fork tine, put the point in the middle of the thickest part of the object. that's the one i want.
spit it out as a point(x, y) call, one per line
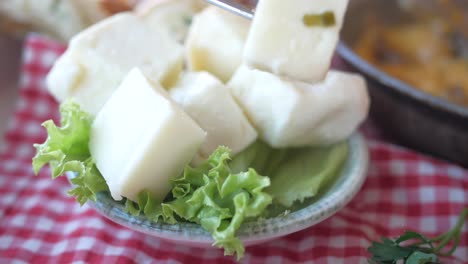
point(233, 7)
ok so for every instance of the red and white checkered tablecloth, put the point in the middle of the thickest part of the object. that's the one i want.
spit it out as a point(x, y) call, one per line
point(39, 223)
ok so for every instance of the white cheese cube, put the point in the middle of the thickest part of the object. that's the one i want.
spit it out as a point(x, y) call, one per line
point(295, 114)
point(210, 104)
point(141, 139)
point(216, 42)
point(173, 17)
point(99, 58)
point(280, 41)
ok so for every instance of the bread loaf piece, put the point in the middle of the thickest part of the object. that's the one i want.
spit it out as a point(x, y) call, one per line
point(95, 10)
point(61, 19)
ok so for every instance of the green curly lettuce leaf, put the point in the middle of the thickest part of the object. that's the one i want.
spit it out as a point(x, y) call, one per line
point(305, 172)
point(254, 156)
point(214, 197)
point(210, 194)
point(66, 149)
point(296, 174)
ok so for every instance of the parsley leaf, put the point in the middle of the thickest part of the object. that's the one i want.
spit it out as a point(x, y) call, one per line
point(414, 248)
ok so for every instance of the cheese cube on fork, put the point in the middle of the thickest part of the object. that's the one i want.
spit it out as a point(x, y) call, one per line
point(295, 39)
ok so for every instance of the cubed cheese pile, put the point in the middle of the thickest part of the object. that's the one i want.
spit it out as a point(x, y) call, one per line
point(268, 79)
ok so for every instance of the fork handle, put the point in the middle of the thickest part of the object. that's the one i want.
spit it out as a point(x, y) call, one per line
point(233, 7)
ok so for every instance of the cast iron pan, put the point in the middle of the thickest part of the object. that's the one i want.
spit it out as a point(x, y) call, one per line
point(414, 118)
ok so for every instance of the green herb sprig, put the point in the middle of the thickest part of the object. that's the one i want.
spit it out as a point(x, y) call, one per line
point(414, 248)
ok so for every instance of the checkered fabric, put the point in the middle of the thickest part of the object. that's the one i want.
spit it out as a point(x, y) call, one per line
point(39, 223)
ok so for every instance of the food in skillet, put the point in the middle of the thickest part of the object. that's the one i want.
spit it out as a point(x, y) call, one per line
point(215, 143)
point(428, 51)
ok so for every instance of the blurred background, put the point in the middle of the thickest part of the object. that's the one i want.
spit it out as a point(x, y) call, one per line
point(10, 52)
point(414, 54)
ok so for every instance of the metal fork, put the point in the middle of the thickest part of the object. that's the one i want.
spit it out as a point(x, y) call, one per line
point(243, 10)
